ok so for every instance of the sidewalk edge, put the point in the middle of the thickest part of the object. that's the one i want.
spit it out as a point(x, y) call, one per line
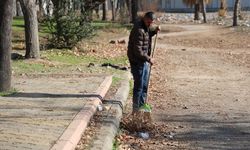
point(111, 125)
point(73, 133)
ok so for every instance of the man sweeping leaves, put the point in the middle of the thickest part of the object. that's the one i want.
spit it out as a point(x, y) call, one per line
point(139, 51)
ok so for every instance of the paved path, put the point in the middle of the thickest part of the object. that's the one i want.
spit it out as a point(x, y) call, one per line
point(44, 106)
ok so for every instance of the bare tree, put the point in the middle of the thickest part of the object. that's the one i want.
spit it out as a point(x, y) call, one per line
point(6, 14)
point(18, 9)
point(104, 10)
point(41, 12)
point(87, 6)
point(134, 10)
point(204, 10)
point(196, 4)
point(14, 8)
point(236, 12)
point(128, 3)
point(223, 8)
point(196, 11)
point(97, 12)
point(29, 8)
point(113, 9)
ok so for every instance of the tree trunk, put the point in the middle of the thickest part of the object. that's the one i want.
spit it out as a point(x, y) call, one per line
point(236, 9)
point(122, 4)
point(239, 11)
point(118, 6)
point(113, 9)
point(128, 3)
point(31, 28)
point(223, 4)
point(41, 12)
point(97, 12)
point(204, 11)
point(6, 14)
point(123, 13)
point(14, 8)
point(18, 9)
point(104, 10)
point(134, 10)
point(196, 11)
point(223, 8)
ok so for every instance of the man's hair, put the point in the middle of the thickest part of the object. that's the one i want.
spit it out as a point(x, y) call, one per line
point(150, 15)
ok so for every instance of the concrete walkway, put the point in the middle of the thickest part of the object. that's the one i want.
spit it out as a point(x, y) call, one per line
point(44, 106)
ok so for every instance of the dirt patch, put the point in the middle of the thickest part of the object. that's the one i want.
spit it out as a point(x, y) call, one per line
point(241, 59)
point(221, 38)
point(169, 28)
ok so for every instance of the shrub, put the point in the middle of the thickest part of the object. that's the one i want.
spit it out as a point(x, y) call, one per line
point(68, 28)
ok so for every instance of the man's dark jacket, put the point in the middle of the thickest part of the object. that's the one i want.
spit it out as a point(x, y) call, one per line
point(139, 46)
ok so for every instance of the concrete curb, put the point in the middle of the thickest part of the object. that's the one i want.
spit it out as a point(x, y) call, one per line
point(105, 138)
point(73, 133)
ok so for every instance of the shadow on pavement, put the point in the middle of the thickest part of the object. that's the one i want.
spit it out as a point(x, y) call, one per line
point(49, 95)
point(209, 131)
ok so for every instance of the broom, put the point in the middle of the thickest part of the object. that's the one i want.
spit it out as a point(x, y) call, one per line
point(147, 108)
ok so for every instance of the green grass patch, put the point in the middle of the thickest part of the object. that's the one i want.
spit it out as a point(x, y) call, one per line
point(44, 27)
point(22, 66)
point(65, 60)
point(8, 93)
point(67, 57)
point(116, 80)
point(18, 24)
point(131, 86)
point(115, 144)
point(56, 60)
point(108, 25)
point(122, 60)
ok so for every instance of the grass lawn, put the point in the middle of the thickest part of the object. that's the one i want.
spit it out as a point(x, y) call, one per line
point(65, 60)
point(106, 24)
point(56, 61)
point(18, 24)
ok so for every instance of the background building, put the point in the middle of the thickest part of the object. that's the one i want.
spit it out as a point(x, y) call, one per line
point(179, 6)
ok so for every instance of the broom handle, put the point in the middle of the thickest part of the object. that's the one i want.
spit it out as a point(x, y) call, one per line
point(151, 66)
point(154, 45)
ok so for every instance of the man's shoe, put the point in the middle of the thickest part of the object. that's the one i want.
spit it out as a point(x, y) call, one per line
point(145, 108)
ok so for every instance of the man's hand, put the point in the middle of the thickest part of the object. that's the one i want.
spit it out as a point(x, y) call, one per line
point(151, 61)
point(158, 29)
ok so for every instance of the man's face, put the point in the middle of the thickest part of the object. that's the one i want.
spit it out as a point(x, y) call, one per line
point(148, 22)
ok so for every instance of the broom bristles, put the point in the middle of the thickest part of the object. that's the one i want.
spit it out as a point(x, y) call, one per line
point(138, 122)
